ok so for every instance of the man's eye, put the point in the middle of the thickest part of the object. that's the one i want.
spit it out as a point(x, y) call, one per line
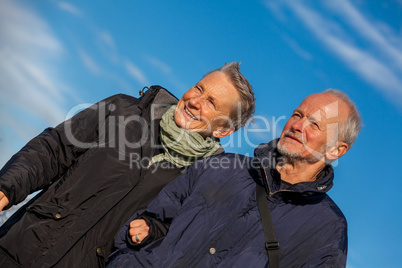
point(212, 102)
point(315, 125)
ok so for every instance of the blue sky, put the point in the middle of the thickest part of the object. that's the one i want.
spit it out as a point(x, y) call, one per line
point(55, 55)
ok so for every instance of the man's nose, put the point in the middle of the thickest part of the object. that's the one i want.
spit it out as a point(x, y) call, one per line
point(299, 125)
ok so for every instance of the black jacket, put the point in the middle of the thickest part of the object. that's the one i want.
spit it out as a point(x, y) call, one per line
point(89, 190)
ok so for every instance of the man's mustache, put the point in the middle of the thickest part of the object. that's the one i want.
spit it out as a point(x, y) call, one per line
point(297, 136)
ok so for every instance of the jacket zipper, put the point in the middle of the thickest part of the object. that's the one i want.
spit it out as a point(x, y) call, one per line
point(269, 188)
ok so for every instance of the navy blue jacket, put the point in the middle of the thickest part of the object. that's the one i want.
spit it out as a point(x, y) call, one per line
point(215, 220)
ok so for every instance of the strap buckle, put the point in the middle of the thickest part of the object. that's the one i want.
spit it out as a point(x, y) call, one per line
point(142, 91)
point(273, 245)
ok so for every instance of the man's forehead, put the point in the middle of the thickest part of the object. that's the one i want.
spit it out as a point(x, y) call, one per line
point(323, 105)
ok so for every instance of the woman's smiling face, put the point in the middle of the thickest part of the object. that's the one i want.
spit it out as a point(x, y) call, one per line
point(206, 107)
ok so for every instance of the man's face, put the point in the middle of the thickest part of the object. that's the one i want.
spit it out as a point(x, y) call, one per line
point(313, 128)
point(206, 107)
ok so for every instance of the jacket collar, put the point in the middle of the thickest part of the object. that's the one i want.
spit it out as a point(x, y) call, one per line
point(268, 157)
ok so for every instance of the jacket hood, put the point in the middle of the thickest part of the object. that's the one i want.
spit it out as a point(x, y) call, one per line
point(158, 97)
point(268, 156)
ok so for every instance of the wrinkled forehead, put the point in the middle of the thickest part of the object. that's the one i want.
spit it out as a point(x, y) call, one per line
point(324, 106)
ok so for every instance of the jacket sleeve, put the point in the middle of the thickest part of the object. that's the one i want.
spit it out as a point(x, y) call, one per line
point(162, 210)
point(46, 157)
point(334, 253)
point(327, 258)
point(157, 229)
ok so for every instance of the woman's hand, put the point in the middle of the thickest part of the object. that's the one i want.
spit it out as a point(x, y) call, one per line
point(139, 229)
point(3, 200)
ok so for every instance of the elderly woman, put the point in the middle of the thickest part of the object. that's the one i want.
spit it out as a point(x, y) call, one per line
point(108, 161)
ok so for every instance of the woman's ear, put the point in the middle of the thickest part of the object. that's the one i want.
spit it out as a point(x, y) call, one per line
point(223, 132)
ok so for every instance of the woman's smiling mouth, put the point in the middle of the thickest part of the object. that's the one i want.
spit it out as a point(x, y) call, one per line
point(189, 113)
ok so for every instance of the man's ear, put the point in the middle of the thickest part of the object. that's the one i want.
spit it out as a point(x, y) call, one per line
point(337, 151)
point(223, 132)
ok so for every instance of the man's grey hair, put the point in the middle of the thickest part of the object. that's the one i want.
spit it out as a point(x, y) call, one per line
point(245, 90)
point(348, 130)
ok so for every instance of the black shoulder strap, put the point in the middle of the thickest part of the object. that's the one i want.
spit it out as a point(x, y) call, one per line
point(271, 244)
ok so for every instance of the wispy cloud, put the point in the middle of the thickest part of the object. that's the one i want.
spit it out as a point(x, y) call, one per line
point(91, 65)
point(108, 46)
point(166, 71)
point(157, 63)
point(104, 59)
point(107, 39)
point(136, 73)
point(25, 79)
point(69, 8)
point(369, 30)
point(20, 27)
point(296, 48)
point(276, 9)
point(378, 61)
point(30, 93)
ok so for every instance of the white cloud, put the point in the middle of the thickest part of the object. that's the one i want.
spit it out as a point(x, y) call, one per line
point(107, 39)
point(167, 71)
point(276, 9)
point(25, 79)
point(366, 61)
point(121, 84)
point(108, 46)
point(31, 96)
point(367, 66)
point(91, 65)
point(26, 86)
point(296, 48)
point(136, 73)
point(69, 8)
point(368, 30)
point(20, 27)
point(162, 66)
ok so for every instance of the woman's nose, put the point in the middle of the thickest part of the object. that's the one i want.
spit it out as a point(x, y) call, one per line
point(195, 102)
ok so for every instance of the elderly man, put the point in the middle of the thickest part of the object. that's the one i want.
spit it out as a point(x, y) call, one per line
point(99, 167)
point(209, 216)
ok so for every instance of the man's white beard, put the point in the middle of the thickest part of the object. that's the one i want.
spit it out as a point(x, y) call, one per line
point(294, 157)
